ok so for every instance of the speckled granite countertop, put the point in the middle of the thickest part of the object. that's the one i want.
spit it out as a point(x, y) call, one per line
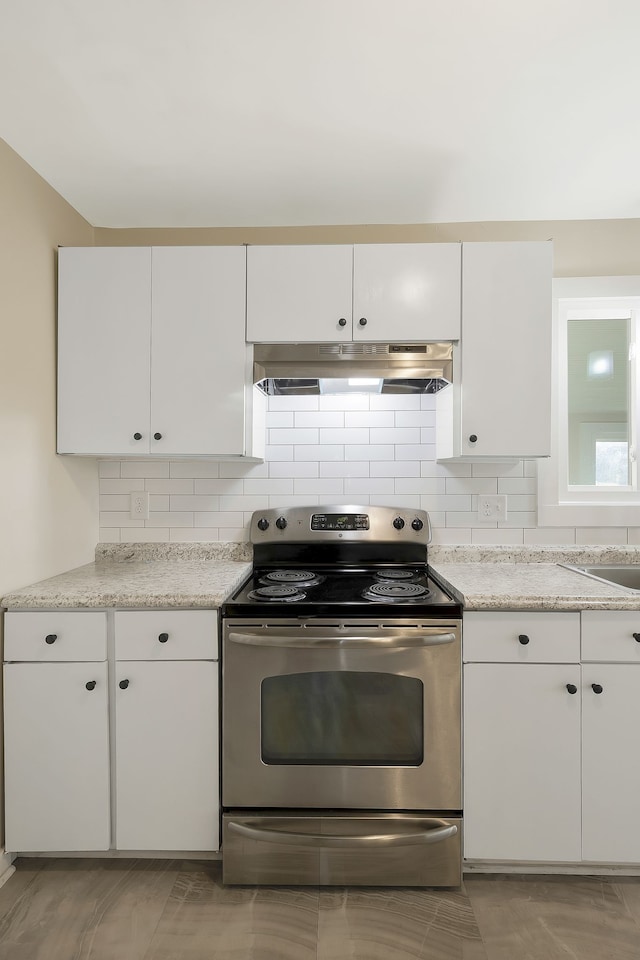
point(203, 575)
point(135, 576)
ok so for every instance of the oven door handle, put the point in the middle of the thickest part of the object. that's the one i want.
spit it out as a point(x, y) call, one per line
point(376, 639)
point(443, 831)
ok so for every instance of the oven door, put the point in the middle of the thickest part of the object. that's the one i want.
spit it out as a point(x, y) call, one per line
point(355, 715)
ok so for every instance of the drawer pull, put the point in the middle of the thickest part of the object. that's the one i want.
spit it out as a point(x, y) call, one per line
point(163, 637)
point(596, 687)
point(123, 684)
point(571, 687)
point(91, 685)
point(523, 638)
point(636, 636)
point(51, 638)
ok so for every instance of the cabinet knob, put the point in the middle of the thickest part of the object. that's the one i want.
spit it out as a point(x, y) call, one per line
point(473, 438)
point(137, 436)
point(523, 638)
point(342, 322)
point(163, 637)
point(123, 684)
point(157, 436)
point(91, 685)
point(51, 638)
point(571, 687)
point(596, 687)
point(636, 636)
point(362, 321)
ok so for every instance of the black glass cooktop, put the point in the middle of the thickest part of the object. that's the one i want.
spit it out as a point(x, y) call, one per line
point(362, 591)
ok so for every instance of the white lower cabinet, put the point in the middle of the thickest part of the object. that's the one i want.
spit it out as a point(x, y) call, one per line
point(166, 769)
point(137, 771)
point(522, 761)
point(550, 769)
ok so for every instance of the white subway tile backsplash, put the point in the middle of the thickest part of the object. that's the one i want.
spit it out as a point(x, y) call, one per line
point(320, 418)
point(334, 451)
point(371, 451)
point(369, 418)
point(144, 468)
point(294, 436)
point(191, 469)
point(109, 468)
point(361, 448)
point(169, 486)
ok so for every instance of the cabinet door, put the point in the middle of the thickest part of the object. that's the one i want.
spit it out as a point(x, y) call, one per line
point(521, 762)
point(505, 399)
point(56, 757)
point(104, 328)
point(610, 769)
point(406, 291)
point(299, 294)
point(198, 353)
point(167, 782)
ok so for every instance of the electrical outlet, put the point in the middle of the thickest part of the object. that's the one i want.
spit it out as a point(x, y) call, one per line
point(492, 507)
point(139, 505)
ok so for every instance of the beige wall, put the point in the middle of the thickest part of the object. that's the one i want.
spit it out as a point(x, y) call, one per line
point(48, 504)
point(582, 248)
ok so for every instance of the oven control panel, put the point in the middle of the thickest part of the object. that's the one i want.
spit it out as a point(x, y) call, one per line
point(340, 521)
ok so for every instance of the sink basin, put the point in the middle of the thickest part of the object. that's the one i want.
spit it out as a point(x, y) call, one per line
point(623, 575)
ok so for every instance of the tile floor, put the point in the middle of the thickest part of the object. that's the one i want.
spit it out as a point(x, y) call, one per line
point(178, 910)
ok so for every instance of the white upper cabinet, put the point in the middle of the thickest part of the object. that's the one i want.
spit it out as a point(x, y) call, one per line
point(104, 339)
point(406, 291)
point(369, 292)
point(152, 355)
point(299, 294)
point(499, 405)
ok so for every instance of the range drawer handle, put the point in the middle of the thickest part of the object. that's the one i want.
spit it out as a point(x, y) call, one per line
point(163, 637)
point(523, 639)
point(443, 831)
point(51, 638)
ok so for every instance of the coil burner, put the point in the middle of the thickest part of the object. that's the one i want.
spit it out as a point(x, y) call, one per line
point(300, 578)
point(281, 593)
point(395, 592)
point(395, 574)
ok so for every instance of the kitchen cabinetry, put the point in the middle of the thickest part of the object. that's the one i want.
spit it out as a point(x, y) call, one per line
point(549, 746)
point(56, 732)
point(342, 293)
point(522, 736)
point(163, 679)
point(499, 403)
point(151, 353)
point(166, 689)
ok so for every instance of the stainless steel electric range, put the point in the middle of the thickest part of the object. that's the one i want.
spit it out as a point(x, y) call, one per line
point(341, 716)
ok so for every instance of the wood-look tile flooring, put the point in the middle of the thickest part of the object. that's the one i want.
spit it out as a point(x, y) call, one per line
point(179, 910)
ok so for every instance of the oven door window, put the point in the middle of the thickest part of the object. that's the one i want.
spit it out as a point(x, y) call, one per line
point(342, 718)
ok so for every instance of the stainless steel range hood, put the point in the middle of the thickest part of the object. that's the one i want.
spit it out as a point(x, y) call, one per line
point(302, 368)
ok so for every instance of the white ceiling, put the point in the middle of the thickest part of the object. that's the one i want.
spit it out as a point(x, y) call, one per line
point(275, 112)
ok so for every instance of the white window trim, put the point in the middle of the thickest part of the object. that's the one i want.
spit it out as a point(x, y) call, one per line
point(622, 508)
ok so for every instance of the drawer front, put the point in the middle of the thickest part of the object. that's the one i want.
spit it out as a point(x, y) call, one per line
point(166, 634)
point(55, 635)
point(609, 636)
point(521, 637)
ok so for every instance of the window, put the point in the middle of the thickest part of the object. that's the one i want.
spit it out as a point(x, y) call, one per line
point(591, 478)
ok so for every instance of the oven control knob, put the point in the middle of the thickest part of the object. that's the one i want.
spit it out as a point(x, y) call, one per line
point(281, 523)
point(263, 523)
point(417, 524)
point(398, 523)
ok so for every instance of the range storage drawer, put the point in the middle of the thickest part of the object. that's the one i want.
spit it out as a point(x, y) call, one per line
point(520, 637)
point(367, 849)
point(55, 635)
point(611, 636)
point(166, 634)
